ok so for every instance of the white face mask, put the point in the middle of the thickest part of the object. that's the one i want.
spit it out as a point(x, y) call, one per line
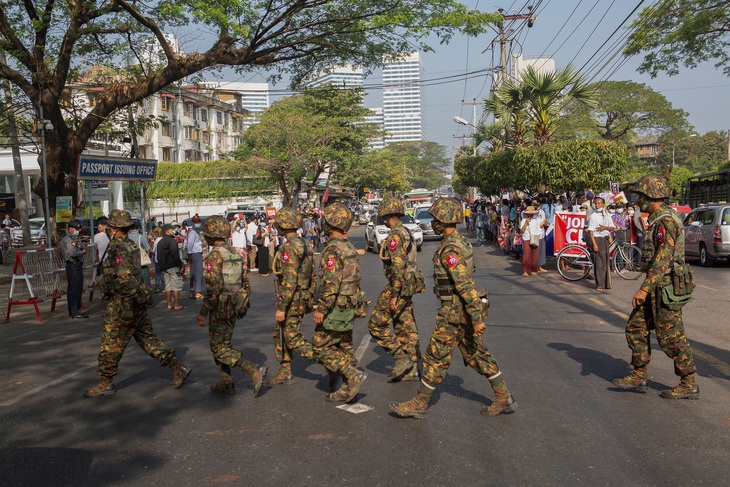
point(631, 212)
point(620, 210)
point(612, 211)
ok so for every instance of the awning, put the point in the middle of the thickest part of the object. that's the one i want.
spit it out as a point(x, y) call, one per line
point(188, 100)
point(97, 89)
point(167, 95)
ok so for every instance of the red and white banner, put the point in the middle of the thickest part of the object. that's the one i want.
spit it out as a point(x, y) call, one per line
point(568, 230)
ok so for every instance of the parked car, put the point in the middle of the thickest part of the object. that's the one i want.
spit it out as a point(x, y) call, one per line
point(707, 233)
point(37, 232)
point(377, 230)
point(366, 216)
point(424, 219)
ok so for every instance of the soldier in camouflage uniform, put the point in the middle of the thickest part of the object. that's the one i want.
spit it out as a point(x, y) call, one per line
point(395, 304)
point(126, 315)
point(460, 319)
point(226, 298)
point(296, 281)
point(339, 299)
point(664, 238)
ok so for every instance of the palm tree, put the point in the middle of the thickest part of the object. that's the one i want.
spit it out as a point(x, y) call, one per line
point(532, 107)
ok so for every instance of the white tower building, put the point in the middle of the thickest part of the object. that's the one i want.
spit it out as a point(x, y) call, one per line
point(402, 106)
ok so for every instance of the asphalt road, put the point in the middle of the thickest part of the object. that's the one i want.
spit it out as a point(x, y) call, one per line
point(558, 343)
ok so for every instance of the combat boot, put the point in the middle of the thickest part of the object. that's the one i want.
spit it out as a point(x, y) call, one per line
point(354, 382)
point(402, 366)
point(686, 389)
point(415, 407)
point(180, 374)
point(284, 376)
point(225, 385)
point(636, 380)
point(258, 379)
point(503, 402)
point(334, 378)
point(412, 376)
point(103, 388)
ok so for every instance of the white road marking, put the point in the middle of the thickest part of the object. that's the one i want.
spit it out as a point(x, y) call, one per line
point(364, 343)
point(46, 386)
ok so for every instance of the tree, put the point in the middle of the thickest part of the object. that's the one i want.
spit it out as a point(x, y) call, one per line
point(699, 153)
point(305, 135)
point(533, 105)
point(622, 110)
point(423, 162)
point(381, 169)
point(681, 32)
point(52, 42)
point(677, 177)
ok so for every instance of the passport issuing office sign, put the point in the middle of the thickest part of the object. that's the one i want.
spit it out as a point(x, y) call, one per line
point(116, 168)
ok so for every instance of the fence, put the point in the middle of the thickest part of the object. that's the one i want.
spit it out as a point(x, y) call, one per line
point(40, 275)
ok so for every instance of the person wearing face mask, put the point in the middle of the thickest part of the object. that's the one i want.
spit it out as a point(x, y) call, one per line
point(195, 256)
point(460, 319)
point(73, 255)
point(638, 222)
point(663, 251)
point(600, 227)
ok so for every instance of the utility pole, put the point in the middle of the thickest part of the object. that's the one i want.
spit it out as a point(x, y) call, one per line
point(19, 182)
point(505, 29)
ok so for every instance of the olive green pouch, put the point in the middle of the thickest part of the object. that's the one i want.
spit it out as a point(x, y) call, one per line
point(671, 301)
point(339, 320)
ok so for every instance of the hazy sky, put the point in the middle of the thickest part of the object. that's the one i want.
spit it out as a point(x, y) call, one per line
point(570, 31)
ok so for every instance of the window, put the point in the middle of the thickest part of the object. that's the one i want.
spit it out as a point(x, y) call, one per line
point(708, 217)
point(726, 216)
point(692, 217)
point(203, 115)
point(166, 129)
point(206, 137)
point(167, 154)
point(165, 104)
point(191, 133)
point(187, 109)
point(219, 117)
point(92, 100)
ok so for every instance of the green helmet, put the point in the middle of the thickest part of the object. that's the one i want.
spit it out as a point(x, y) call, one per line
point(288, 218)
point(216, 226)
point(338, 216)
point(447, 210)
point(120, 219)
point(391, 206)
point(655, 187)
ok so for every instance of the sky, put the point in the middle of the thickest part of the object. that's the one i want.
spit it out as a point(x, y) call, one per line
point(571, 31)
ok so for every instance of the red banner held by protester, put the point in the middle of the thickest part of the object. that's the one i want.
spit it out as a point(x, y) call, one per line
point(568, 230)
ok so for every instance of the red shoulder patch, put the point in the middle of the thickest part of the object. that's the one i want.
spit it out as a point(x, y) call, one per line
point(285, 257)
point(452, 260)
point(660, 235)
point(393, 245)
point(330, 263)
point(118, 260)
point(209, 266)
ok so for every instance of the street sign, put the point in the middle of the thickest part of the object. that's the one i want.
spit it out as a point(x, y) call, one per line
point(64, 209)
point(100, 194)
point(116, 168)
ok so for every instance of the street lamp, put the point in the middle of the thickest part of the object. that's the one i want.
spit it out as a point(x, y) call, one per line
point(463, 121)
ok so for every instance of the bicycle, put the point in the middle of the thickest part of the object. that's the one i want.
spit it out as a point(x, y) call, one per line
point(574, 261)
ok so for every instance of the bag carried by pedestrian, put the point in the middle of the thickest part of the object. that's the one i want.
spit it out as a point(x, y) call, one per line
point(144, 257)
point(534, 241)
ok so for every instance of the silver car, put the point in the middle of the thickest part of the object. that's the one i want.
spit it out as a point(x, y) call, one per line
point(377, 230)
point(37, 232)
point(707, 233)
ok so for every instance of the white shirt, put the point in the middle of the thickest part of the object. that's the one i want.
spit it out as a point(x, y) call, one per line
point(251, 229)
point(102, 242)
point(532, 228)
point(597, 219)
point(239, 238)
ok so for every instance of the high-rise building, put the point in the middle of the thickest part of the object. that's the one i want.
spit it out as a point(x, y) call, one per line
point(251, 97)
point(402, 105)
point(340, 76)
point(540, 64)
point(376, 118)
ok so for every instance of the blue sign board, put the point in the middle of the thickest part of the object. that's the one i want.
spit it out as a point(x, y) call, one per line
point(116, 168)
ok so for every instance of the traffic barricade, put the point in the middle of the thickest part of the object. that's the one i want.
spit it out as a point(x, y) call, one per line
point(90, 263)
point(37, 276)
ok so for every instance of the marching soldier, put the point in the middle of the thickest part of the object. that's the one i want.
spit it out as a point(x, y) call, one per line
point(296, 283)
point(339, 300)
point(460, 319)
point(126, 315)
point(226, 299)
point(663, 249)
point(395, 303)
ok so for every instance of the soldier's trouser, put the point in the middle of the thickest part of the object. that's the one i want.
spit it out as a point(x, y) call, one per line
point(669, 332)
point(405, 332)
point(334, 350)
point(446, 335)
point(293, 341)
point(117, 333)
point(220, 333)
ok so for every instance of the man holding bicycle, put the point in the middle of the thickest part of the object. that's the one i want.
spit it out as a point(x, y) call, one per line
point(600, 227)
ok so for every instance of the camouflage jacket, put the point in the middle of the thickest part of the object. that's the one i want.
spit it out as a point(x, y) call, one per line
point(452, 260)
point(122, 275)
point(395, 256)
point(215, 286)
point(659, 247)
point(287, 266)
point(339, 278)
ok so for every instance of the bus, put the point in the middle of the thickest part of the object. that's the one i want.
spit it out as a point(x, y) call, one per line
point(418, 197)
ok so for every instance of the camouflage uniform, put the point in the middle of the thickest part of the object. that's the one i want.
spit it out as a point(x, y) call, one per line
point(225, 284)
point(398, 254)
point(665, 238)
point(294, 270)
point(339, 298)
point(126, 315)
point(461, 307)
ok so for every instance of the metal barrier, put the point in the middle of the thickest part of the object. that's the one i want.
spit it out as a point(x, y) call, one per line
point(39, 275)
